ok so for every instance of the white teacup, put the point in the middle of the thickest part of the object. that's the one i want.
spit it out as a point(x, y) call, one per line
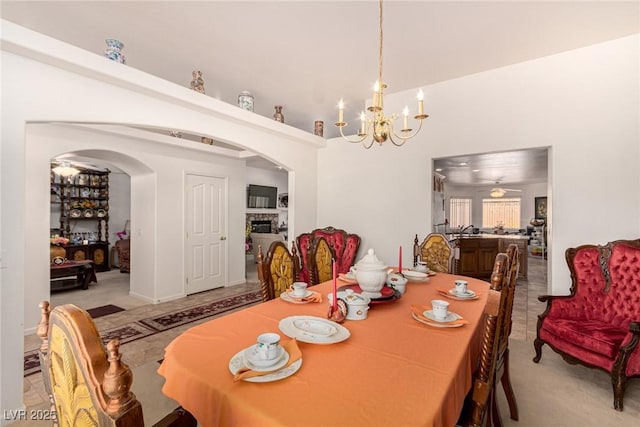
point(299, 289)
point(421, 266)
point(461, 287)
point(268, 346)
point(440, 308)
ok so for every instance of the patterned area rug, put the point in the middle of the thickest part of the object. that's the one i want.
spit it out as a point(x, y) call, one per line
point(152, 325)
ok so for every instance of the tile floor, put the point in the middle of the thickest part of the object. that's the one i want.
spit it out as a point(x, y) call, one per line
point(551, 393)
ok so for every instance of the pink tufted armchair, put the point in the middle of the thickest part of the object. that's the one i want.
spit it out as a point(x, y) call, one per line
point(344, 246)
point(598, 324)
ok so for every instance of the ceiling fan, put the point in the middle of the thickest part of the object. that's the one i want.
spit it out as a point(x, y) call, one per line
point(500, 192)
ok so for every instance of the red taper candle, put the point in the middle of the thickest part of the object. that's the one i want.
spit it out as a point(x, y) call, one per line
point(400, 260)
point(335, 291)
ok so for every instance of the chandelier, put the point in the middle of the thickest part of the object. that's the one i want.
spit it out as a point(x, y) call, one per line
point(377, 125)
point(65, 169)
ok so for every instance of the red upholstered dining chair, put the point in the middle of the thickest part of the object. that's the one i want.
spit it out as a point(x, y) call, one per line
point(344, 246)
point(87, 384)
point(277, 270)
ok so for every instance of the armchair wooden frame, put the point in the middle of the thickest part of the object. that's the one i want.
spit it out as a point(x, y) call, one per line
point(88, 385)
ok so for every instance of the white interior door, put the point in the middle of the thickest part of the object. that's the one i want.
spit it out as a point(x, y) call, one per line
point(206, 233)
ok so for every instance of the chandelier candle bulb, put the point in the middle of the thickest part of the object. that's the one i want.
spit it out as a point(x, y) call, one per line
point(341, 111)
point(420, 103)
point(405, 122)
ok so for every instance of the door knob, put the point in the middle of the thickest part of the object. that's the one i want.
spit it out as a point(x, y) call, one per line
point(223, 237)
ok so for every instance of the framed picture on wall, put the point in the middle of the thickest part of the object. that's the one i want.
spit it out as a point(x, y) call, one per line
point(283, 200)
point(541, 207)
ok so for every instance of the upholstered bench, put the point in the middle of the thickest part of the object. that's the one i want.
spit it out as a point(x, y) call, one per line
point(598, 324)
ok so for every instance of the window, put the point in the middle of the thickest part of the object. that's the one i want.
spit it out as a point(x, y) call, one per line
point(501, 211)
point(459, 212)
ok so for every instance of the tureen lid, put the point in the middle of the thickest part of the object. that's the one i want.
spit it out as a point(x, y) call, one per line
point(370, 262)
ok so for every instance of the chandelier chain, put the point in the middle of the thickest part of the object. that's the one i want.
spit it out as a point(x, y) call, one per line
point(380, 48)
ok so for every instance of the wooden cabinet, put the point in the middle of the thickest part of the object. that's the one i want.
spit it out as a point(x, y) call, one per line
point(96, 252)
point(83, 204)
point(478, 255)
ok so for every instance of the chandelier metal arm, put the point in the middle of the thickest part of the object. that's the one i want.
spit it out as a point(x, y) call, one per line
point(356, 141)
point(404, 137)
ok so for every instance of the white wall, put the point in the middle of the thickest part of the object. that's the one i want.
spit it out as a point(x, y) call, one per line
point(582, 103)
point(68, 85)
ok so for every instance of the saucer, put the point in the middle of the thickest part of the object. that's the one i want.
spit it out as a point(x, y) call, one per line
point(451, 317)
point(306, 294)
point(253, 360)
point(294, 300)
point(238, 361)
point(415, 275)
point(469, 294)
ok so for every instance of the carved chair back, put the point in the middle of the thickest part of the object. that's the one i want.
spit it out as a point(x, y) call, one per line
point(436, 251)
point(344, 246)
point(88, 385)
point(277, 270)
point(321, 258)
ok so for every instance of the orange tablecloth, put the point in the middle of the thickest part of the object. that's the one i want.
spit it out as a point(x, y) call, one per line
point(392, 371)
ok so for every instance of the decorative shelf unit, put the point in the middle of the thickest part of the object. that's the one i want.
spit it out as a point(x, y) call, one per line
point(84, 198)
point(538, 242)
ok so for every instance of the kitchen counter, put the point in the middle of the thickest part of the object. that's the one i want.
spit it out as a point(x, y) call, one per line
point(477, 252)
point(453, 237)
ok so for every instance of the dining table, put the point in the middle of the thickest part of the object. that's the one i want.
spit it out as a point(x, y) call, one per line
point(391, 370)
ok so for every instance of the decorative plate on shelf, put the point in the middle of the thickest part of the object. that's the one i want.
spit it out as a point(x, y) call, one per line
point(101, 213)
point(75, 213)
point(88, 213)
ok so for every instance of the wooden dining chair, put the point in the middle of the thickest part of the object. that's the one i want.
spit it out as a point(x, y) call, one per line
point(483, 402)
point(436, 251)
point(494, 360)
point(320, 261)
point(502, 368)
point(277, 270)
point(344, 246)
point(89, 385)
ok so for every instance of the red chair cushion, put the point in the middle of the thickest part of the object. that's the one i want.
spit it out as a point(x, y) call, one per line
point(591, 335)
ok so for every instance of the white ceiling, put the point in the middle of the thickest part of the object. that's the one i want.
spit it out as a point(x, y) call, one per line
point(306, 55)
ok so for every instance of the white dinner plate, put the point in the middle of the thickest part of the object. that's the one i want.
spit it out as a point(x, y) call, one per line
point(451, 317)
point(437, 324)
point(469, 294)
point(288, 327)
point(252, 360)
point(315, 328)
point(237, 362)
point(415, 275)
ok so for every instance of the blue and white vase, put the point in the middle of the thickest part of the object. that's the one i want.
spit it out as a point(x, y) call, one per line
point(245, 100)
point(113, 52)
